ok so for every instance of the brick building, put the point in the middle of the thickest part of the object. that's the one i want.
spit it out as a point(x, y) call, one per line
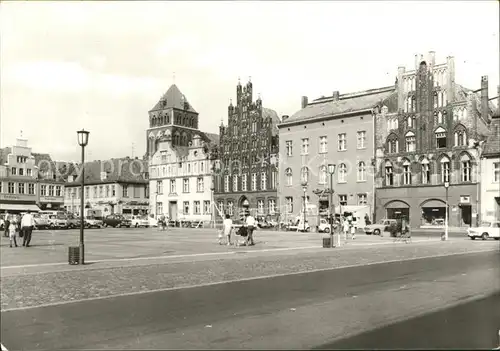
point(339, 130)
point(246, 173)
point(429, 133)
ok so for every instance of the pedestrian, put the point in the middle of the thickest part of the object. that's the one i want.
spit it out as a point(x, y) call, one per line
point(228, 228)
point(250, 223)
point(6, 224)
point(27, 224)
point(367, 219)
point(354, 227)
point(12, 232)
point(345, 227)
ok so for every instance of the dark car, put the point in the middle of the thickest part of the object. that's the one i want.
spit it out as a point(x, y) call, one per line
point(117, 221)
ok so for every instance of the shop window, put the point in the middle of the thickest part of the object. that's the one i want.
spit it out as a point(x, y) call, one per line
point(343, 200)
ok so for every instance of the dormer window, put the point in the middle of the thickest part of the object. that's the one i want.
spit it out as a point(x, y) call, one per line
point(440, 138)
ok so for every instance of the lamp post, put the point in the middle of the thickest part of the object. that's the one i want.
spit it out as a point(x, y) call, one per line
point(212, 206)
point(83, 139)
point(304, 188)
point(446, 186)
point(331, 171)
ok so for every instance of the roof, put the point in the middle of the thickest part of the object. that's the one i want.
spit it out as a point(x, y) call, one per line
point(275, 119)
point(119, 170)
point(39, 157)
point(4, 152)
point(214, 138)
point(492, 144)
point(352, 102)
point(173, 98)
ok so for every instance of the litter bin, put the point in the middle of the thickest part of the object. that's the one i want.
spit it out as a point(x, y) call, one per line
point(74, 255)
point(327, 243)
point(443, 236)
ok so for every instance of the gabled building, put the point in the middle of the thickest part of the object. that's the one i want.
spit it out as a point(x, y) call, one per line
point(180, 160)
point(246, 174)
point(427, 135)
point(119, 185)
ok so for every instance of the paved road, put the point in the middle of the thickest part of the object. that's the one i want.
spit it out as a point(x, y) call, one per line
point(292, 311)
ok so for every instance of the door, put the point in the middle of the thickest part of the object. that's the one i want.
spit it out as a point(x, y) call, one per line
point(466, 214)
point(172, 210)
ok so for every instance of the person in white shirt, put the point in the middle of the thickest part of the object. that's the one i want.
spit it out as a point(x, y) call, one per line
point(250, 222)
point(228, 227)
point(27, 223)
point(12, 232)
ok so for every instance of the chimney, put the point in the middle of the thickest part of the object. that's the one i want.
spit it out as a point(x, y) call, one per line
point(284, 117)
point(336, 95)
point(484, 98)
point(304, 101)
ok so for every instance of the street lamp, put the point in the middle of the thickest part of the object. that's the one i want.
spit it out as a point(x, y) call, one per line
point(446, 186)
point(304, 188)
point(331, 171)
point(83, 139)
point(212, 206)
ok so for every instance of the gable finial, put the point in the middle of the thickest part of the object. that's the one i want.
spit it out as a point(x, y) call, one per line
point(21, 133)
point(173, 77)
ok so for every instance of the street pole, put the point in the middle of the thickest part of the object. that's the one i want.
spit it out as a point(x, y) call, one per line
point(446, 185)
point(304, 188)
point(332, 218)
point(212, 206)
point(82, 140)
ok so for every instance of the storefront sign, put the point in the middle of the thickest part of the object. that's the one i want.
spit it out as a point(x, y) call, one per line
point(51, 199)
point(17, 197)
point(465, 199)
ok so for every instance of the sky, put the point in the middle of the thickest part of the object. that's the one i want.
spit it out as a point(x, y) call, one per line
point(103, 65)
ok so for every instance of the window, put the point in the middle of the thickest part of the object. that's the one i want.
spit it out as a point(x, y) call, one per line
point(288, 177)
point(406, 173)
point(410, 142)
point(263, 181)
point(235, 182)
point(260, 206)
point(226, 183)
point(440, 117)
point(362, 199)
point(361, 140)
point(392, 124)
point(31, 189)
point(13, 171)
point(304, 175)
point(173, 186)
point(274, 179)
point(254, 181)
point(389, 175)
point(440, 138)
point(342, 143)
point(305, 146)
point(244, 182)
point(206, 207)
point(28, 172)
point(445, 170)
point(20, 188)
point(159, 187)
point(460, 138)
point(466, 169)
point(220, 208)
point(125, 191)
point(272, 206)
point(137, 191)
point(361, 174)
point(409, 121)
point(199, 185)
point(197, 208)
point(496, 172)
point(342, 173)
point(101, 191)
point(426, 172)
point(343, 200)
point(58, 190)
point(289, 204)
point(159, 208)
point(186, 207)
point(113, 190)
point(10, 188)
point(322, 174)
point(323, 144)
point(393, 144)
point(21, 171)
point(43, 190)
point(230, 208)
point(51, 190)
point(289, 150)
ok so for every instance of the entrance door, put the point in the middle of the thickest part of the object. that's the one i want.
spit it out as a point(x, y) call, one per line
point(466, 214)
point(172, 210)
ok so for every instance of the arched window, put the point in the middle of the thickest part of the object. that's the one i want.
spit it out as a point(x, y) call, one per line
point(410, 142)
point(361, 174)
point(426, 171)
point(465, 168)
point(460, 136)
point(406, 172)
point(304, 175)
point(342, 173)
point(440, 99)
point(389, 175)
point(441, 141)
point(435, 99)
point(440, 117)
point(445, 169)
point(322, 174)
point(392, 144)
point(444, 97)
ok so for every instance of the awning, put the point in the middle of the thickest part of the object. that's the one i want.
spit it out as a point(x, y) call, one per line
point(433, 203)
point(396, 204)
point(19, 207)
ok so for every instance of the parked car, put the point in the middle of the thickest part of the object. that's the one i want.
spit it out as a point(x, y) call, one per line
point(91, 222)
point(58, 222)
point(140, 221)
point(73, 221)
point(117, 221)
point(299, 226)
point(41, 222)
point(485, 231)
point(379, 228)
point(324, 226)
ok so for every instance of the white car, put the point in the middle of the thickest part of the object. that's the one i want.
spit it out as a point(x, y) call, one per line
point(139, 221)
point(324, 226)
point(152, 222)
point(485, 231)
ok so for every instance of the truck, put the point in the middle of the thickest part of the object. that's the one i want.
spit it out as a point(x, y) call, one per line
point(96, 214)
point(299, 226)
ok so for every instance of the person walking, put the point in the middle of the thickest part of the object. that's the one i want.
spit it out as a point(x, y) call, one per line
point(6, 224)
point(12, 232)
point(250, 222)
point(27, 223)
point(228, 228)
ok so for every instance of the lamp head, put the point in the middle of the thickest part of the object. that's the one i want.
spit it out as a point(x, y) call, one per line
point(83, 137)
point(447, 184)
point(331, 168)
point(304, 186)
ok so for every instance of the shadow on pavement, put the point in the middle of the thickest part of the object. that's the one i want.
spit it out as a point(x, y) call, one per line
point(471, 325)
